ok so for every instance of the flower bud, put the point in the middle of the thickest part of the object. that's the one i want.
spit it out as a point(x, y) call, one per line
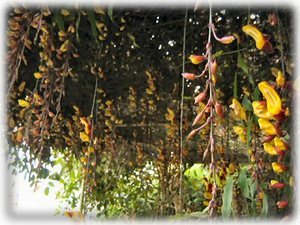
point(197, 59)
point(189, 76)
point(219, 110)
point(227, 39)
point(282, 204)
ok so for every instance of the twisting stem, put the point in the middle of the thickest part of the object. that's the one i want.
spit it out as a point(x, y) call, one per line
point(281, 43)
point(211, 93)
point(84, 180)
point(181, 111)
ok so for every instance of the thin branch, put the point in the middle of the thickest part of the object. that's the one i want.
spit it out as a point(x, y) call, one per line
point(181, 110)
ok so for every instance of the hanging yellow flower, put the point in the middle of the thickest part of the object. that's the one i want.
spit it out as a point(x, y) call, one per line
point(261, 40)
point(273, 99)
point(280, 144)
point(255, 34)
point(278, 167)
point(239, 111)
point(280, 78)
point(270, 149)
point(260, 109)
point(267, 127)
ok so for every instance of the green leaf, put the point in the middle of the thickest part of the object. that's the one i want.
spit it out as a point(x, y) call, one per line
point(242, 64)
point(218, 53)
point(110, 12)
point(247, 103)
point(77, 27)
point(227, 198)
point(51, 184)
point(265, 206)
point(253, 186)
point(249, 133)
point(92, 20)
point(132, 38)
point(242, 182)
point(59, 20)
point(235, 86)
point(256, 94)
point(46, 191)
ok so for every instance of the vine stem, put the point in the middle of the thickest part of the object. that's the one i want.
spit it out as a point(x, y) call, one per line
point(84, 180)
point(181, 110)
point(211, 93)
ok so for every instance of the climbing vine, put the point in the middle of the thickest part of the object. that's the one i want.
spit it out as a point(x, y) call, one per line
point(96, 105)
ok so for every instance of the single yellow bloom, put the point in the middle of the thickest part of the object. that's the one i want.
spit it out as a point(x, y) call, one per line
point(239, 111)
point(267, 127)
point(278, 167)
point(280, 144)
point(260, 110)
point(273, 99)
point(256, 35)
point(270, 149)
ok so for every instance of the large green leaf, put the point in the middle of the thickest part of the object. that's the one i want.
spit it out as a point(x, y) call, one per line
point(256, 94)
point(59, 20)
point(249, 132)
point(92, 20)
point(227, 198)
point(235, 86)
point(243, 182)
point(110, 13)
point(242, 64)
point(265, 206)
point(247, 103)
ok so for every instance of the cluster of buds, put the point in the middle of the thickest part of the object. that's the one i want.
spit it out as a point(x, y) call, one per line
point(212, 107)
point(271, 115)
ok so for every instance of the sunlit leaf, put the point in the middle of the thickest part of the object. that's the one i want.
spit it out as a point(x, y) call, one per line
point(38, 75)
point(23, 103)
point(64, 12)
point(84, 137)
point(170, 115)
point(65, 46)
point(22, 87)
point(46, 191)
